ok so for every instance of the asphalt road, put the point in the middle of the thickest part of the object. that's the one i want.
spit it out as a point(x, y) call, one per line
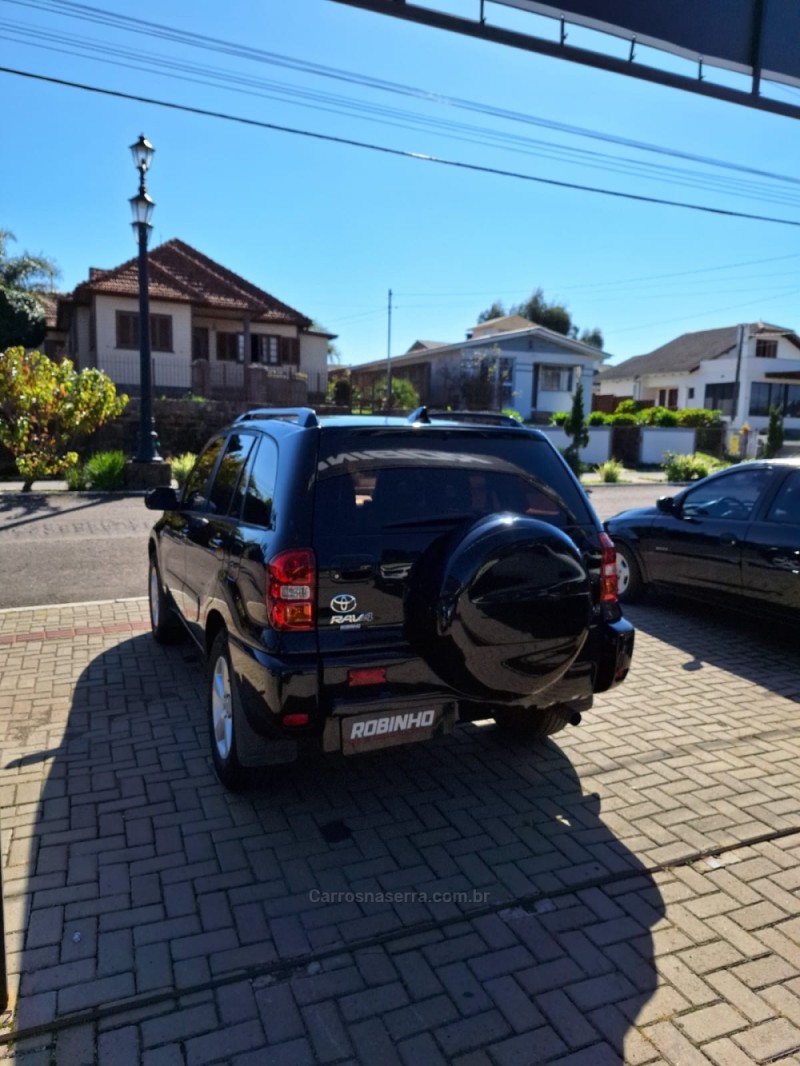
point(77, 547)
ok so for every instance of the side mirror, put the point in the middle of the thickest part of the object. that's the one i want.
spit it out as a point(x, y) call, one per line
point(667, 505)
point(161, 499)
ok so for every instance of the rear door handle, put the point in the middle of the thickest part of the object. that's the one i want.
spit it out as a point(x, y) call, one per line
point(728, 538)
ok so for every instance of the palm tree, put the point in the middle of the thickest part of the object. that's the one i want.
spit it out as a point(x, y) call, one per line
point(22, 277)
point(26, 272)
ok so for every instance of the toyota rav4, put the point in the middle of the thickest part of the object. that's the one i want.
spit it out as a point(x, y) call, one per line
point(359, 582)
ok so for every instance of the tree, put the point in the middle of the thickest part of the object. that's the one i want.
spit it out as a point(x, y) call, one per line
point(774, 441)
point(551, 315)
point(404, 395)
point(45, 406)
point(495, 311)
point(576, 429)
point(21, 277)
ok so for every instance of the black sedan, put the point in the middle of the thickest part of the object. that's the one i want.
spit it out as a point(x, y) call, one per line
point(732, 538)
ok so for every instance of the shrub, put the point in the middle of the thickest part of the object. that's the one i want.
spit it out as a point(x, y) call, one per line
point(512, 414)
point(598, 418)
point(182, 467)
point(610, 471)
point(76, 478)
point(103, 472)
point(626, 407)
point(623, 418)
point(559, 418)
point(658, 416)
point(699, 416)
point(774, 441)
point(690, 467)
point(106, 470)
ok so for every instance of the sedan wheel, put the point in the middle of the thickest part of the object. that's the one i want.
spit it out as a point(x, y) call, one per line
point(630, 586)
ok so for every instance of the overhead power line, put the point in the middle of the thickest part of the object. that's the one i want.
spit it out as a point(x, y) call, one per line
point(398, 152)
point(195, 73)
point(127, 23)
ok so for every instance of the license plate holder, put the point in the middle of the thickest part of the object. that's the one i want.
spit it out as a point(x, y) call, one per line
point(385, 729)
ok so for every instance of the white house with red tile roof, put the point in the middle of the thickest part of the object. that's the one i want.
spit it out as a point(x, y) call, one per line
point(211, 332)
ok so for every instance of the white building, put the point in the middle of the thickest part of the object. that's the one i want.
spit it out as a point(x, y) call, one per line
point(739, 370)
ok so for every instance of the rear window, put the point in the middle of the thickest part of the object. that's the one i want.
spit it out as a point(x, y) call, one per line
point(380, 480)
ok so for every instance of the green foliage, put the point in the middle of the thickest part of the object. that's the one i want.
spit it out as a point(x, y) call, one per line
point(21, 319)
point(593, 337)
point(512, 414)
point(182, 467)
point(103, 472)
point(21, 313)
point(559, 418)
point(550, 314)
point(495, 311)
point(699, 416)
point(598, 418)
point(576, 429)
point(340, 392)
point(627, 407)
point(689, 467)
point(45, 406)
point(774, 441)
point(658, 416)
point(623, 418)
point(404, 395)
point(610, 471)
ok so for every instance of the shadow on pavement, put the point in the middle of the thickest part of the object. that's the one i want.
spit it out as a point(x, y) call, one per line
point(25, 509)
point(762, 652)
point(146, 877)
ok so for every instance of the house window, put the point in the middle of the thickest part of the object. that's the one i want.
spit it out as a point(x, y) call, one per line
point(720, 398)
point(230, 347)
point(690, 394)
point(766, 349)
point(264, 349)
point(785, 397)
point(270, 350)
point(668, 398)
point(555, 379)
point(128, 331)
point(199, 342)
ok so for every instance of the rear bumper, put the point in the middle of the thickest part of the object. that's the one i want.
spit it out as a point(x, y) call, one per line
point(610, 646)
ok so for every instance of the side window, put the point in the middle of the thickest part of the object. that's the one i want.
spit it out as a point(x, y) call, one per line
point(786, 505)
point(263, 472)
point(194, 495)
point(732, 496)
point(226, 480)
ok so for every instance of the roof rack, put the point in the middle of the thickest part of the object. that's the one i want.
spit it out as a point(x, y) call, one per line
point(485, 418)
point(305, 417)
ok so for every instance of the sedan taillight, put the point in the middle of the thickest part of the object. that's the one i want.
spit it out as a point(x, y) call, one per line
point(608, 569)
point(291, 579)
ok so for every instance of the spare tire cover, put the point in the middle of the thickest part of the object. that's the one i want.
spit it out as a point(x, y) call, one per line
point(500, 610)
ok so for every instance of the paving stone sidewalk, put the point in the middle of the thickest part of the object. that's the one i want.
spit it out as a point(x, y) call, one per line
point(626, 895)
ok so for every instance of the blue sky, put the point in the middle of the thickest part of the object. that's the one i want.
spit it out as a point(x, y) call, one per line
point(329, 229)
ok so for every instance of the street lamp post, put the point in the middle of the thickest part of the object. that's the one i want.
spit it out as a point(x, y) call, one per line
point(142, 208)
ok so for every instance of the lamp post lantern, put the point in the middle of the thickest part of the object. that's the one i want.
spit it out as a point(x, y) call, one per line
point(142, 208)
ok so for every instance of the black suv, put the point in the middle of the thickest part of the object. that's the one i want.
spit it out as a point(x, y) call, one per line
point(359, 582)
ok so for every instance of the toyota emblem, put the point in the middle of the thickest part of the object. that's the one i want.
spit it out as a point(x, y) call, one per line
point(343, 604)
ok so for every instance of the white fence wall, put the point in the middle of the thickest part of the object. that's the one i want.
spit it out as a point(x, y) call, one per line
point(597, 450)
point(656, 440)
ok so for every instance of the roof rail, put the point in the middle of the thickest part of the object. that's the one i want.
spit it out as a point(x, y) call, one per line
point(304, 416)
point(486, 418)
point(419, 414)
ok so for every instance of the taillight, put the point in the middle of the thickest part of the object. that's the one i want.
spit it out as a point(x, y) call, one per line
point(291, 577)
point(608, 569)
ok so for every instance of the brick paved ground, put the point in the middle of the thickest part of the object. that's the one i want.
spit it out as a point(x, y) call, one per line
point(630, 893)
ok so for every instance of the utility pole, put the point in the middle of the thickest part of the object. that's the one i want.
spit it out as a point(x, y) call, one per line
point(389, 358)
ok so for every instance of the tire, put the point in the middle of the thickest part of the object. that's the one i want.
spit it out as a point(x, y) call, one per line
point(223, 713)
point(499, 609)
point(630, 586)
point(165, 626)
point(529, 723)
